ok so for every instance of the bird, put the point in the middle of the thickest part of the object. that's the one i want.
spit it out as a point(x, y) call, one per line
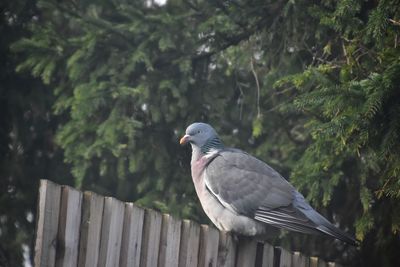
point(244, 195)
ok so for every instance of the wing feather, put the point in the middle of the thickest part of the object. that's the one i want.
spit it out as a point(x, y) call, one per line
point(246, 183)
point(250, 187)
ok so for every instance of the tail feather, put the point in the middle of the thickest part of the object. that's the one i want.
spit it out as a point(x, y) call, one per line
point(301, 218)
point(326, 227)
point(335, 232)
point(306, 229)
point(322, 224)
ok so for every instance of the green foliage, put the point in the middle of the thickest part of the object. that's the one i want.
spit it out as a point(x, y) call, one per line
point(309, 86)
point(27, 128)
point(353, 119)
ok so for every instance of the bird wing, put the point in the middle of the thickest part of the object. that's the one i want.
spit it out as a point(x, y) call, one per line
point(250, 187)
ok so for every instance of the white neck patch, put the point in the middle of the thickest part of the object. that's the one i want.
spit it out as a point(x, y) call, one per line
point(211, 153)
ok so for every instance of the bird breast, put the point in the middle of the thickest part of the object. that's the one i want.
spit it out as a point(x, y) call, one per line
point(223, 218)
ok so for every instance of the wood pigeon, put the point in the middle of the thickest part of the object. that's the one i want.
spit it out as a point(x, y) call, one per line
point(242, 194)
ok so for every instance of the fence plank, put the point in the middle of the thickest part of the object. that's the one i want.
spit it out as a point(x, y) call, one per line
point(316, 262)
point(47, 223)
point(226, 250)
point(190, 241)
point(322, 263)
point(268, 255)
point(132, 236)
point(286, 258)
point(89, 242)
point(247, 249)
point(111, 232)
point(299, 260)
point(151, 238)
point(68, 227)
point(208, 252)
point(313, 262)
point(169, 244)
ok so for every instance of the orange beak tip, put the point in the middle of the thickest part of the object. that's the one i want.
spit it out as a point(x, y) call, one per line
point(184, 139)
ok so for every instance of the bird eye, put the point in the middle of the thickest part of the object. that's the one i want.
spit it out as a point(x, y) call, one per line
point(198, 131)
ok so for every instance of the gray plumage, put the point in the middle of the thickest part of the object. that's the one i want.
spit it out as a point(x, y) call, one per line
point(240, 193)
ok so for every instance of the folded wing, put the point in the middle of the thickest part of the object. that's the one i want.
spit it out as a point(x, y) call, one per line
point(250, 187)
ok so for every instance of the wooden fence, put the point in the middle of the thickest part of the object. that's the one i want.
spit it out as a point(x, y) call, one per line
point(86, 229)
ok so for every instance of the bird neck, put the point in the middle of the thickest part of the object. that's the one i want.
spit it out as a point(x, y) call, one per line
point(196, 153)
point(212, 144)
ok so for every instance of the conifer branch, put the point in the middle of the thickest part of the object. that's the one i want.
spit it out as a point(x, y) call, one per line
point(248, 32)
point(97, 23)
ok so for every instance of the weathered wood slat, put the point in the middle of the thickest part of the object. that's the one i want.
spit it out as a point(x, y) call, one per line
point(47, 223)
point(226, 250)
point(268, 255)
point(247, 249)
point(208, 252)
point(300, 260)
point(132, 236)
point(322, 263)
point(111, 232)
point(89, 242)
point(313, 262)
point(68, 227)
point(170, 239)
point(286, 258)
point(151, 238)
point(189, 245)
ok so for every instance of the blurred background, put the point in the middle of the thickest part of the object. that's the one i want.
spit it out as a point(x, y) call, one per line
point(95, 94)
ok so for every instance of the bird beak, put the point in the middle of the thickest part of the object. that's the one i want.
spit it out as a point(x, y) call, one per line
point(184, 139)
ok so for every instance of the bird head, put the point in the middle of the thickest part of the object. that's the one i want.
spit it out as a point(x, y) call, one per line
point(198, 134)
